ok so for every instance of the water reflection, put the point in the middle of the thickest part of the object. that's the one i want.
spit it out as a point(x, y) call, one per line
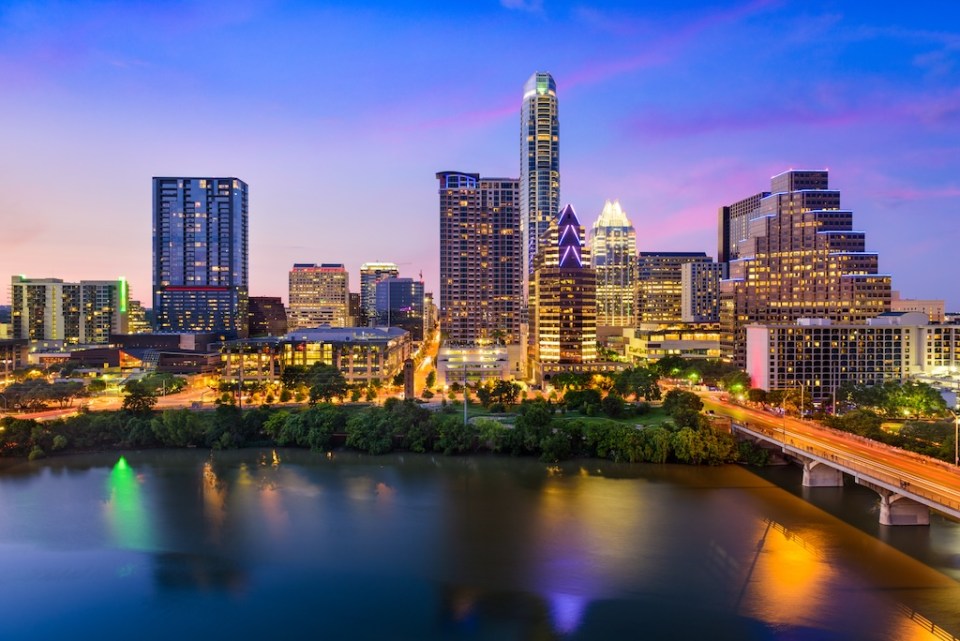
point(500, 548)
point(126, 516)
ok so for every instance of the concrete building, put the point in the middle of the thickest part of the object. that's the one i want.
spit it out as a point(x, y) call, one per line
point(733, 223)
point(318, 295)
point(700, 292)
point(821, 355)
point(51, 313)
point(649, 342)
point(933, 309)
point(473, 364)
point(267, 316)
point(802, 259)
point(364, 355)
point(613, 250)
point(14, 355)
point(660, 285)
point(137, 322)
point(370, 275)
point(200, 244)
point(481, 251)
point(399, 303)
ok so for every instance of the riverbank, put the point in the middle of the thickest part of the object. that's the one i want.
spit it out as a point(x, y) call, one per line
point(538, 429)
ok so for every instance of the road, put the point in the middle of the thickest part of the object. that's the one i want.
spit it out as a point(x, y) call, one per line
point(925, 477)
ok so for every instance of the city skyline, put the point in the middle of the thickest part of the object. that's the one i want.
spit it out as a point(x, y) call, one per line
point(671, 112)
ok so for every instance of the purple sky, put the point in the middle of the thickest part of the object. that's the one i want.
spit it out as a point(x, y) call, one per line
point(338, 118)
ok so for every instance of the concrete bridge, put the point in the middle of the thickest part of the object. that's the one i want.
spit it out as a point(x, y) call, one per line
point(909, 485)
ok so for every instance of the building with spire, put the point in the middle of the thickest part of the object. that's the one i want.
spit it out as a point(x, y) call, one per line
point(539, 163)
point(563, 303)
point(613, 248)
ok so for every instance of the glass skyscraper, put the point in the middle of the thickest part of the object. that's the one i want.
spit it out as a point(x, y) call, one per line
point(613, 245)
point(399, 303)
point(200, 239)
point(539, 163)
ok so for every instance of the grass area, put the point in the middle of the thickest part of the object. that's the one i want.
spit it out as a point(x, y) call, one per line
point(653, 418)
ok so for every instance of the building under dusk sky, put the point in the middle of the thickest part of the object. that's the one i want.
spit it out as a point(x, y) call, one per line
point(338, 118)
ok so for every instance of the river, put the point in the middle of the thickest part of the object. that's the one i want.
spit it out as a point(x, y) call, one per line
point(294, 544)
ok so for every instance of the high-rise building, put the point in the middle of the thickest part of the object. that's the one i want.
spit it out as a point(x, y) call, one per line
point(319, 295)
point(613, 248)
point(481, 253)
point(539, 163)
point(660, 284)
point(267, 316)
point(700, 292)
point(563, 300)
point(802, 259)
point(370, 275)
point(733, 224)
point(200, 240)
point(400, 304)
point(50, 311)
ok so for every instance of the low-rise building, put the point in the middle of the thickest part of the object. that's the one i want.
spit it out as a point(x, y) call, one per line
point(649, 342)
point(364, 355)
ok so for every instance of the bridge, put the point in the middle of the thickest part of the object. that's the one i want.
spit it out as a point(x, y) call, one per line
point(909, 484)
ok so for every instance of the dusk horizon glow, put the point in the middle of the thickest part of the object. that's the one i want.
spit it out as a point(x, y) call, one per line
point(338, 119)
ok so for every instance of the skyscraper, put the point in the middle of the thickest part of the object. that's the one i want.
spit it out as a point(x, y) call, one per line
point(801, 259)
point(370, 275)
point(700, 292)
point(200, 240)
point(481, 280)
point(319, 295)
point(613, 248)
point(563, 300)
point(539, 163)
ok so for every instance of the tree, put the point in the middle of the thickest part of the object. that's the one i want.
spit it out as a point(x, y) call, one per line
point(670, 366)
point(757, 395)
point(735, 381)
point(138, 398)
point(431, 379)
point(326, 383)
point(612, 405)
point(677, 400)
point(641, 382)
point(96, 385)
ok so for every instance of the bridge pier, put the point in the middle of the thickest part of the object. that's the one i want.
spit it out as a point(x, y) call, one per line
point(896, 509)
point(817, 474)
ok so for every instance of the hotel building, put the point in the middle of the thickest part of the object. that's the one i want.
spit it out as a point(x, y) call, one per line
point(318, 295)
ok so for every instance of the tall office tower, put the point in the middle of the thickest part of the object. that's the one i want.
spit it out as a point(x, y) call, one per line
point(48, 310)
point(353, 310)
point(481, 255)
point(801, 259)
point(200, 240)
point(613, 247)
point(539, 164)
point(319, 295)
point(267, 317)
point(700, 292)
point(400, 304)
point(733, 222)
point(660, 284)
point(563, 297)
point(370, 275)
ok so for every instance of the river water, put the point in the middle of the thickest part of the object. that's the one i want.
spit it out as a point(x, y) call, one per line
point(283, 544)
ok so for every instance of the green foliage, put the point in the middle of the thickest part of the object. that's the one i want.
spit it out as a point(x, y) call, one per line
point(863, 422)
point(178, 428)
point(895, 399)
point(582, 399)
point(613, 405)
point(138, 398)
point(96, 385)
point(639, 382)
point(752, 454)
point(677, 399)
point(370, 431)
point(326, 383)
point(163, 383)
point(431, 378)
point(453, 436)
point(757, 395)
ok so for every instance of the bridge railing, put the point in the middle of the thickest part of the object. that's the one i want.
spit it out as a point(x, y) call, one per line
point(875, 471)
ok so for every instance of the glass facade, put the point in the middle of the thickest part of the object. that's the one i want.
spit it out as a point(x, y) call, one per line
point(539, 162)
point(200, 241)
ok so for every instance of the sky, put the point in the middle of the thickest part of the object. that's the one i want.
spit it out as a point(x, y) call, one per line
point(338, 116)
